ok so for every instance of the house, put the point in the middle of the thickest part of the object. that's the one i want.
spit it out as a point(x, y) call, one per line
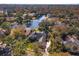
point(53, 19)
point(4, 50)
point(1, 13)
point(70, 43)
point(59, 27)
point(42, 39)
point(24, 15)
point(31, 14)
point(37, 36)
point(20, 30)
point(2, 32)
point(12, 13)
point(10, 19)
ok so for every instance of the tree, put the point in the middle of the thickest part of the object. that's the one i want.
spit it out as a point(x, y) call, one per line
point(6, 25)
point(19, 20)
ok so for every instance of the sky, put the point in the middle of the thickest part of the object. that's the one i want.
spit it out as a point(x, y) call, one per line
point(39, 1)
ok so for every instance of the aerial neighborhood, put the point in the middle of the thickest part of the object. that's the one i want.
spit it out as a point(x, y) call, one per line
point(39, 30)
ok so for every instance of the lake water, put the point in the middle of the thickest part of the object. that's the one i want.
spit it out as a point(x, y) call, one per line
point(35, 23)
